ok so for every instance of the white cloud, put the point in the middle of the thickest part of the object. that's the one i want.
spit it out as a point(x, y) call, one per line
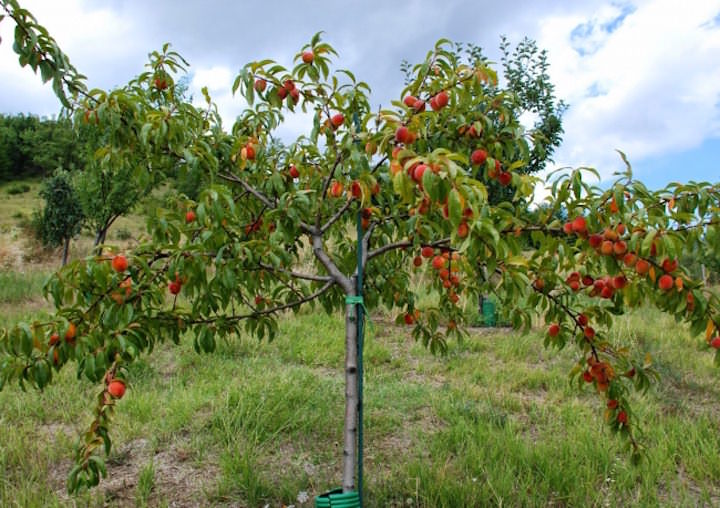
point(92, 35)
point(217, 78)
point(645, 84)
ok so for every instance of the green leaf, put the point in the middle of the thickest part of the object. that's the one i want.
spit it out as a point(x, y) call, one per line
point(431, 184)
point(455, 207)
point(403, 186)
point(236, 83)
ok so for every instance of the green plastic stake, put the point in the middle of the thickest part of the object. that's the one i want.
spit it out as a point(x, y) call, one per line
point(360, 346)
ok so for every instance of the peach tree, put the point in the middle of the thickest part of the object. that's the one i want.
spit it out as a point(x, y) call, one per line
point(274, 231)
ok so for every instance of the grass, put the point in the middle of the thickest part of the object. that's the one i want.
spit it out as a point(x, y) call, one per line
point(493, 423)
point(22, 203)
point(146, 483)
point(16, 288)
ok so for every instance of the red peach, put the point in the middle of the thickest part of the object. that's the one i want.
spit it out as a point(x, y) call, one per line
point(119, 263)
point(478, 156)
point(666, 282)
point(308, 57)
point(116, 388)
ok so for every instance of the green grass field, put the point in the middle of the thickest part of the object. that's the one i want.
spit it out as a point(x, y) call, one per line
point(493, 423)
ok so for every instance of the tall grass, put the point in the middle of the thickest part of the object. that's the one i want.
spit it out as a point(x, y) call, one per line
point(19, 287)
point(493, 423)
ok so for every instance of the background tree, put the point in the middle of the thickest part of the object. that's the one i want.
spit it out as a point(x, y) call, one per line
point(32, 146)
point(13, 159)
point(61, 219)
point(52, 144)
point(119, 170)
point(273, 230)
point(105, 194)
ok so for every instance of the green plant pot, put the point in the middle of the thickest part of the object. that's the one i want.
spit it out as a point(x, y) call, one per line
point(337, 499)
point(489, 312)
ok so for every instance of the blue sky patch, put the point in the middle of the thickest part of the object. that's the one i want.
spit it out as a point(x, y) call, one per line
point(596, 90)
point(625, 11)
point(586, 38)
point(698, 164)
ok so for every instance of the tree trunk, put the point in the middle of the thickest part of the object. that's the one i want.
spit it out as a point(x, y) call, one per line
point(66, 250)
point(100, 240)
point(351, 399)
point(481, 299)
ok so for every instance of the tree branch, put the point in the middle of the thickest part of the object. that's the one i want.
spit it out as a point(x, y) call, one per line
point(329, 265)
point(404, 243)
point(701, 224)
point(264, 312)
point(296, 275)
point(365, 246)
point(306, 228)
point(249, 188)
point(380, 163)
point(336, 217)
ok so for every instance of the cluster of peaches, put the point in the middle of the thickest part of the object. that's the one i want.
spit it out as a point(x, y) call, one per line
point(447, 269)
point(336, 189)
point(404, 136)
point(610, 243)
point(416, 172)
point(601, 373)
point(288, 87)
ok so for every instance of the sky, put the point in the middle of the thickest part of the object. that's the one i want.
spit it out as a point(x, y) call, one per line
point(641, 76)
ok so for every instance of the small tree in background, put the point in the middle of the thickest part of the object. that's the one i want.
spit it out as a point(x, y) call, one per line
point(119, 170)
point(106, 193)
point(61, 218)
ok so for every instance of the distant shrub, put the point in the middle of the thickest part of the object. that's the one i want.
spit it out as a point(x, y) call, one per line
point(123, 234)
point(18, 188)
point(32, 226)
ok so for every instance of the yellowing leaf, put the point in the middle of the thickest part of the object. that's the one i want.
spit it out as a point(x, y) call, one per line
point(709, 330)
point(652, 274)
point(648, 360)
point(517, 261)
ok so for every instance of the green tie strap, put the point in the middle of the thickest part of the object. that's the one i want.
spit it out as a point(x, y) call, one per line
point(359, 300)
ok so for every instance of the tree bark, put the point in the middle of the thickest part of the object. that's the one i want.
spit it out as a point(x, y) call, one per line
point(66, 251)
point(350, 429)
point(102, 235)
point(351, 399)
point(100, 240)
